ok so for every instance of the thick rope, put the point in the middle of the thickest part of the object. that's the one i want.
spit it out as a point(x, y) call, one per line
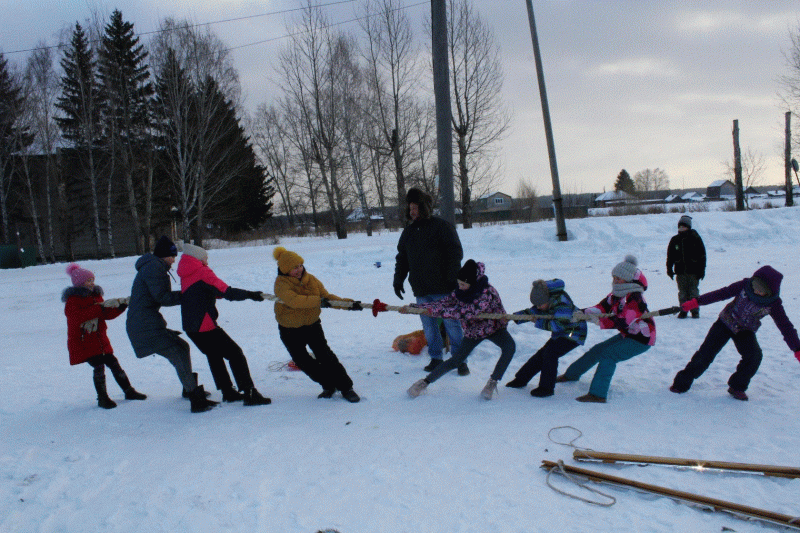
point(582, 484)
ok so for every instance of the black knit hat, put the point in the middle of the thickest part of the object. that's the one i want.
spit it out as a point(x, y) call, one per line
point(165, 248)
point(468, 272)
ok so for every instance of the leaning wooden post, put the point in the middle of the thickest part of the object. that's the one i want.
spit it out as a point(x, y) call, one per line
point(787, 161)
point(737, 167)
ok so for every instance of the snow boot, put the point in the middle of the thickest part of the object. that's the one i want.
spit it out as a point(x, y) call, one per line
point(738, 394)
point(231, 395)
point(433, 364)
point(186, 394)
point(463, 369)
point(590, 398)
point(695, 313)
point(539, 392)
point(516, 383)
point(200, 401)
point(563, 379)
point(133, 394)
point(253, 397)
point(489, 389)
point(105, 402)
point(326, 393)
point(417, 388)
point(351, 396)
point(682, 314)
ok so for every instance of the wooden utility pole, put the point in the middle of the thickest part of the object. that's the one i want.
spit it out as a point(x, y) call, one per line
point(444, 122)
point(561, 227)
point(737, 167)
point(787, 161)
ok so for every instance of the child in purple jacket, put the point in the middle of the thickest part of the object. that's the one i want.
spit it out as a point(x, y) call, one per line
point(753, 299)
point(474, 296)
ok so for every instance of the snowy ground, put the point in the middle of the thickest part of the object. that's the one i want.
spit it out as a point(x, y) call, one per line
point(448, 461)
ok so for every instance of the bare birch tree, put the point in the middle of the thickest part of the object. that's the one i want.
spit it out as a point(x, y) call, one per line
point(271, 137)
point(479, 118)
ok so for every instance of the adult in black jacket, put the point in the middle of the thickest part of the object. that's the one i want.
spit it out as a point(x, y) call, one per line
point(686, 262)
point(429, 253)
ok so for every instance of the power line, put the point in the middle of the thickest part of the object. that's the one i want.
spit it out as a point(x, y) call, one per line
point(235, 19)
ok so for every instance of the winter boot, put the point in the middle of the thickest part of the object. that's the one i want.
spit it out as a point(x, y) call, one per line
point(253, 397)
point(682, 314)
point(200, 401)
point(590, 398)
point(695, 313)
point(516, 383)
point(417, 388)
point(738, 394)
point(231, 395)
point(105, 402)
point(463, 369)
point(351, 396)
point(133, 394)
point(326, 393)
point(489, 389)
point(539, 392)
point(433, 364)
point(186, 394)
point(564, 379)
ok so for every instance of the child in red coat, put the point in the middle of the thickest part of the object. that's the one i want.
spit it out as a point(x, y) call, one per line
point(87, 341)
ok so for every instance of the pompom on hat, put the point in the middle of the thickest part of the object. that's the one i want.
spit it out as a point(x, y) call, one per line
point(286, 260)
point(79, 275)
point(626, 269)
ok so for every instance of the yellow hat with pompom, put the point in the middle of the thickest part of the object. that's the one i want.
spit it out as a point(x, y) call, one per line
point(286, 260)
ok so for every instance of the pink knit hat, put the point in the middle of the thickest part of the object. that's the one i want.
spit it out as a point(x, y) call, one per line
point(79, 275)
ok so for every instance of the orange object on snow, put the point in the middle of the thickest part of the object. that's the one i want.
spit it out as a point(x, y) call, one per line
point(412, 343)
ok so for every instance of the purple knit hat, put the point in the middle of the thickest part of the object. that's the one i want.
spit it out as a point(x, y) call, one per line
point(79, 275)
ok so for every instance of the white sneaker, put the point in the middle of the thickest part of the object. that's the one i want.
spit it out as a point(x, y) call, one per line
point(489, 389)
point(417, 388)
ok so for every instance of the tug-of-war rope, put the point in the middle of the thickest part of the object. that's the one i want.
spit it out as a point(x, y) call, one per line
point(584, 484)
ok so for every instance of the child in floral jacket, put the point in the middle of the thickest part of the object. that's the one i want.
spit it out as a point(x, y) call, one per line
point(753, 299)
point(87, 341)
point(549, 297)
point(474, 296)
point(626, 305)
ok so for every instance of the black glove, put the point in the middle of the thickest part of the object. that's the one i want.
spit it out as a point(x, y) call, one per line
point(324, 302)
point(670, 274)
point(255, 296)
point(122, 307)
point(356, 306)
point(398, 290)
point(701, 275)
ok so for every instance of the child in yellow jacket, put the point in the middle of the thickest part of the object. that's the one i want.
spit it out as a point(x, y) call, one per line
point(302, 296)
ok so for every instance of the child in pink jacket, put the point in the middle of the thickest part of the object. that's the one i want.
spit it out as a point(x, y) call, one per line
point(474, 296)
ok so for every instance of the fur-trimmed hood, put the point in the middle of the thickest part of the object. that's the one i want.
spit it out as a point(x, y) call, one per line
point(82, 292)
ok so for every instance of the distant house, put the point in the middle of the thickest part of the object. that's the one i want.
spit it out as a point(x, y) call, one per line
point(693, 197)
point(497, 201)
point(612, 198)
point(673, 199)
point(358, 214)
point(720, 189)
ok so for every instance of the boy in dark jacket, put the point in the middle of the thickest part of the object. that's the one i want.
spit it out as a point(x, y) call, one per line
point(200, 289)
point(753, 299)
point(551, 298)
point(686, 262)
point(87, 341)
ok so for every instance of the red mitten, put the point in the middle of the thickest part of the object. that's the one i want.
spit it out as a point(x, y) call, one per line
point(688, 305)
point(378, 307)
point(797, 355)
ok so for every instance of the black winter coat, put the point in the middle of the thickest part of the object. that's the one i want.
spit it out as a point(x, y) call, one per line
point(686, 254)
point(429, 253)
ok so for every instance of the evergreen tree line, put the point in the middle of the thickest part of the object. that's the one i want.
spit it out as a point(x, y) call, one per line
point(113, 151)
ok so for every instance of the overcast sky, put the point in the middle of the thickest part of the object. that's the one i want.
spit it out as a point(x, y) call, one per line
point(632, 84)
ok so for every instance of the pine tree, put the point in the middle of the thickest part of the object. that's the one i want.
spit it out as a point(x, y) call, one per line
point(81, 106)
point(13, 137)
point(624, 183)
point(123, 76)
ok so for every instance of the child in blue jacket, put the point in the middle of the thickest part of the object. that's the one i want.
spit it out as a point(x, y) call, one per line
point(550, 297)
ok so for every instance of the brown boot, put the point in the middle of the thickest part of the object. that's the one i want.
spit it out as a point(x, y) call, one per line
point(590, 398)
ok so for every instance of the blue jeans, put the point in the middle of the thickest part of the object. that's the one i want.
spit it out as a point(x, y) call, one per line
point(430, 325)
point(605, 355)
